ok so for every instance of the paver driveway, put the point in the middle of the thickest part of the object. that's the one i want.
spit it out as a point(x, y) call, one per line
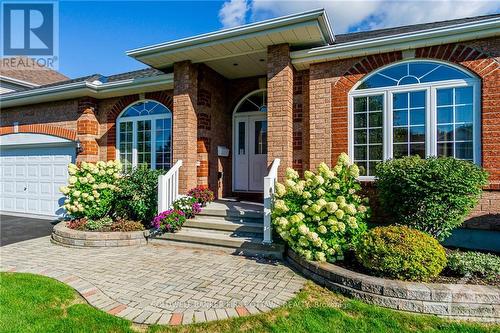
point(159, 283)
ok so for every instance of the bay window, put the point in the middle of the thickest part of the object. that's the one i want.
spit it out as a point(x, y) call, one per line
point(417, 107)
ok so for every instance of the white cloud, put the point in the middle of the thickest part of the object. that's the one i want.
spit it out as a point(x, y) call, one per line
point(368, 15)
point(233, 13)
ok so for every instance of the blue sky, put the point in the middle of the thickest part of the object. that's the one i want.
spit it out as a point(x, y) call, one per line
point(94, 35)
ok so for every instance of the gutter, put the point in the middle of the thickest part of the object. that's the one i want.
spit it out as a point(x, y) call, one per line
point(436, 36)
point(18, 82)
point(94, 89)
point(317, 14)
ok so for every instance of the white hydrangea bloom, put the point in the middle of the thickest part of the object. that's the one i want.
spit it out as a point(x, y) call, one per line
point(344, 159)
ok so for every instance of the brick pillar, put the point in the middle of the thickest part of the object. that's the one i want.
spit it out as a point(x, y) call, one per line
point(184, 132)
point(87, 128)
point(280, 106)
point(320, 115)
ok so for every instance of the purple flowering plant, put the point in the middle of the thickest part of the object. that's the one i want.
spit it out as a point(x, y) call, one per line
point(169, 221)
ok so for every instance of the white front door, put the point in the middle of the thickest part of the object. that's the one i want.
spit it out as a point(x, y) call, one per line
point(250, 152)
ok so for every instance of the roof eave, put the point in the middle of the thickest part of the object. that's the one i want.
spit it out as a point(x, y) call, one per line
point(18, 82)
point(437, 36)
point(317, 14)
point(89, 89)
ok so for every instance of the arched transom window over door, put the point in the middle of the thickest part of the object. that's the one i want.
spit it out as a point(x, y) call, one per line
point(144, 135)
point(424, 108)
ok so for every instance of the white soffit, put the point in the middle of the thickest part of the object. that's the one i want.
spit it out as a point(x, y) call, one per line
point(307, 29)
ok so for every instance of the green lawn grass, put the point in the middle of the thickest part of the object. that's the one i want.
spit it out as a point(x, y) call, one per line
point(31, 303)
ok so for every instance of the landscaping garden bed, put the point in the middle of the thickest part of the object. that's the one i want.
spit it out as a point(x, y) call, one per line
point(62, 235)
point(107, 205)
point(323, 218)
point(446, 276)
point(459, 301)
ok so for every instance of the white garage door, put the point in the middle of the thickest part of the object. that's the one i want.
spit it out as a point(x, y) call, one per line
point(31, 177)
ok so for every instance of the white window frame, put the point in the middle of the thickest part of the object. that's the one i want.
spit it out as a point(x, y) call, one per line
point(430, 111)
point(134, 121)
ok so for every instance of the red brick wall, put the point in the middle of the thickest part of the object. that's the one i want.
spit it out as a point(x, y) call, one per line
point(331, 82)
point(184, 132)
point(214, 129)
point(280, 106)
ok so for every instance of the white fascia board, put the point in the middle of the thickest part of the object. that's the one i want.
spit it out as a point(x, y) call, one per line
point(239, 32)
point(18, 82)
point(84, 88)
point(452, 34)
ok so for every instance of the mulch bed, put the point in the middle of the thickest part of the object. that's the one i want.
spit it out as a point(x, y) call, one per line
point(445, 277)
point(118, 225)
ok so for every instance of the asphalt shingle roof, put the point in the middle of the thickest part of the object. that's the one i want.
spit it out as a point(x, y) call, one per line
point(356, 36)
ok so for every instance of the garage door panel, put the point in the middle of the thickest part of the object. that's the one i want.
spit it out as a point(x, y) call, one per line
point(8, 187)
point(20, 187)
point(31, 178)
point(45, 189)
point(46, 171)
point(7, 171)
point(32, 171)
point(32, 203)
point(8, 204)
point(61, 172)
point(20, 170)
point(47, 206)
point(21, 205)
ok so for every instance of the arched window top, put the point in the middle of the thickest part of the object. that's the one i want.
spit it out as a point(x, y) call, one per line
point(256, 101)
point(145, 108)
point(413, 72)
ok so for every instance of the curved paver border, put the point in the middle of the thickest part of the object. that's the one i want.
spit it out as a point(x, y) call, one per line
point(98, 299)
point(459, 301)
point(62, 235)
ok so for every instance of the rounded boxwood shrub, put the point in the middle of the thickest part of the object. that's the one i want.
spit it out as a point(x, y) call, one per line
point(321, 216)
point(402, 253)
point(433, 195)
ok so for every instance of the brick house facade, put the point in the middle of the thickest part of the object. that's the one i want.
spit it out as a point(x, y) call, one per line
point(307, 112)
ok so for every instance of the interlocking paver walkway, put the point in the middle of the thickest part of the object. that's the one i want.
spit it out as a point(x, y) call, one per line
point(159, 283)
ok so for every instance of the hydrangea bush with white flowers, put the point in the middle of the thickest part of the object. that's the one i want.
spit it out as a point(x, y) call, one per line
point(91, 189)
point(321, 216)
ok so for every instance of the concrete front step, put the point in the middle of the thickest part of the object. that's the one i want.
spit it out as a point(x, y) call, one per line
point(221, 224)
point(239, 244)
point(232, 214)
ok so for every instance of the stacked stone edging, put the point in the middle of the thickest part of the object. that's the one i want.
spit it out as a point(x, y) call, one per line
point(65, 236)
point(459, 301)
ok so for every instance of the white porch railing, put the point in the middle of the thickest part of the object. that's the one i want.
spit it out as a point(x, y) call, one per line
point(168, 187)
point(269, 183)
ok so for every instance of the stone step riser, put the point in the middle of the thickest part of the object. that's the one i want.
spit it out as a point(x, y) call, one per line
point(238, 243)
point(224, 233)
point(232, 215)
point(233, 227)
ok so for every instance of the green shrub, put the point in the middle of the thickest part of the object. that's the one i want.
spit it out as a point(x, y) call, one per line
point(138, 200)
point(92, 189)
point(321, 216)
point(97, 225)
point(433, 195)
point(474, 264)
point(402, 253)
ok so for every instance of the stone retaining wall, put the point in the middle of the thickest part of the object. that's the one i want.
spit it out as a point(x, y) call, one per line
point(65, 236)
point(459, 301)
